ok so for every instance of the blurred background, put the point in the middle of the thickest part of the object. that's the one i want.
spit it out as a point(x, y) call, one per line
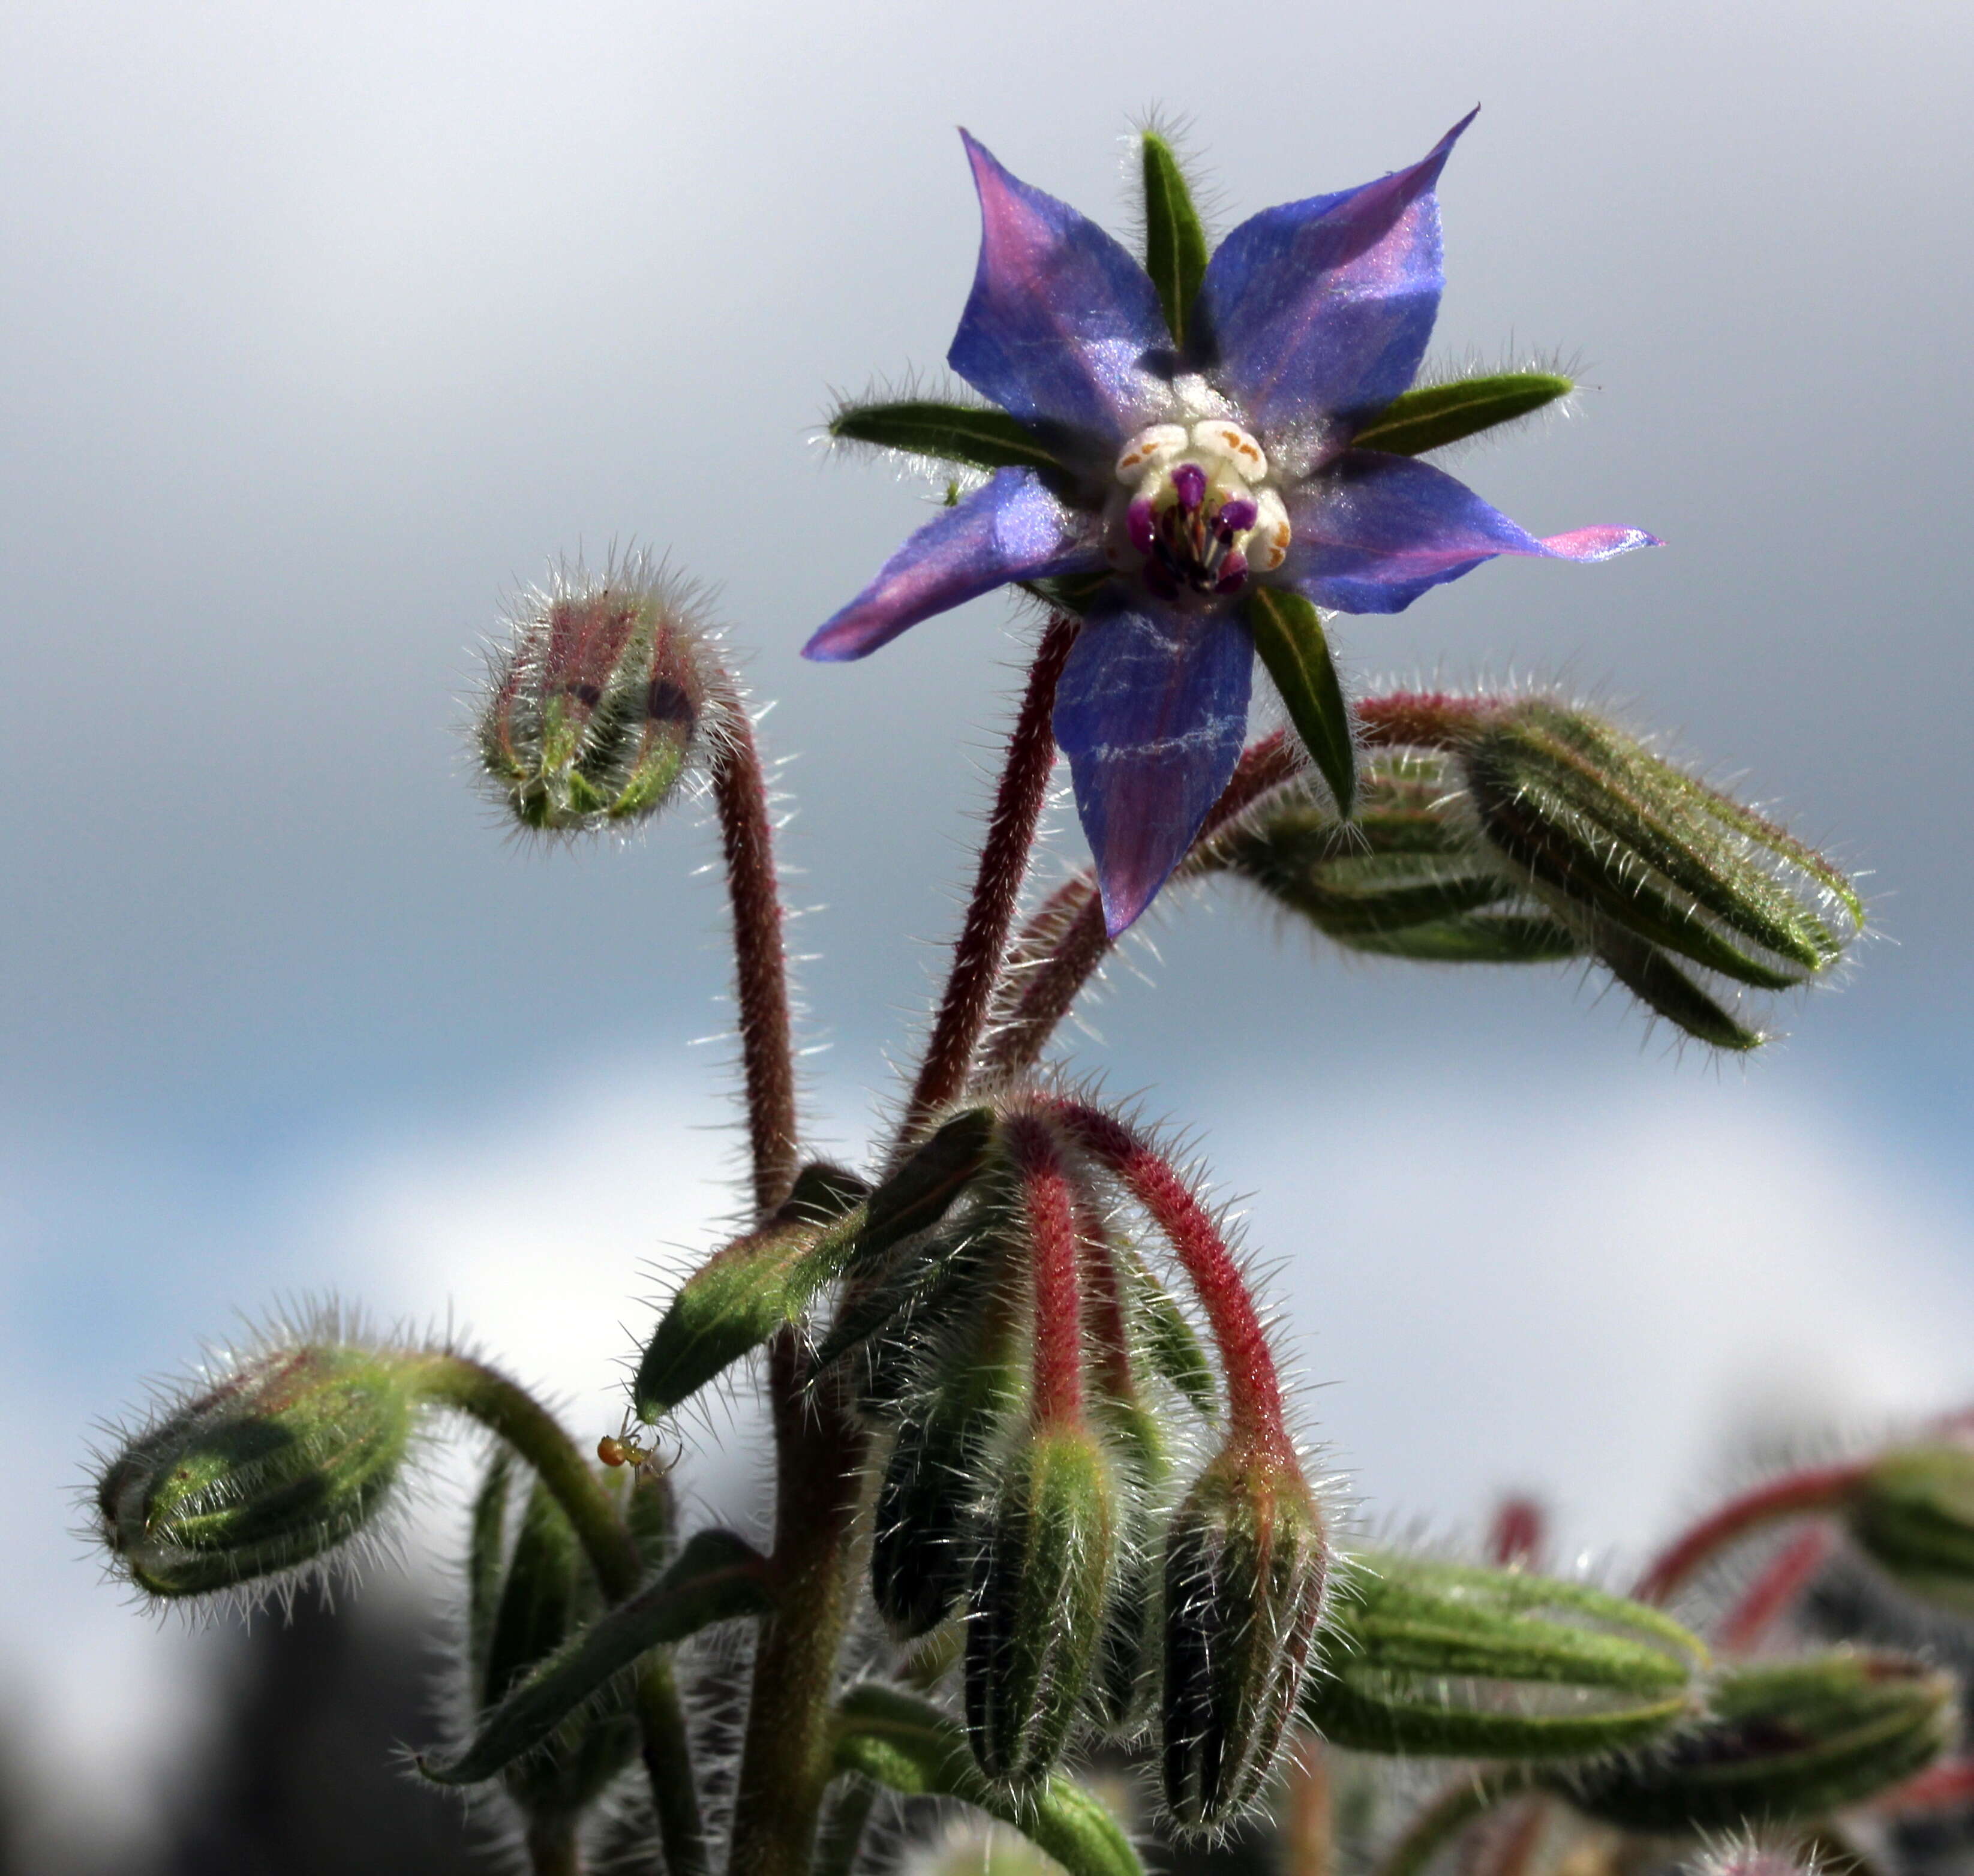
point(323, 328)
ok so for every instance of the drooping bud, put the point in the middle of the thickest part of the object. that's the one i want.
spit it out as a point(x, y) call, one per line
point(1035, 1602)
point(1748, 1855)
point(1781, 1744)
point(932, 1485)
point(1913, 1515)
point(1651, 865)
point(1453, 1659)
point(295, 1453)
point(1245, 1567)
point(531, 1596)
point(599, 699)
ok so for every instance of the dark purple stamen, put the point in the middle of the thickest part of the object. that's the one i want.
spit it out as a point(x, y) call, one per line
point(1236, 517)
point(1189, 483)
point(1185, 549)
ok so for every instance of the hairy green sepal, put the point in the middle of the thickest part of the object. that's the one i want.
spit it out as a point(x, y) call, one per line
point(1172, 1344)
point(1289, 634)
point(901, 1742)
point(1435, 415)
point(978, 435)
point(1175, 242)
point(1781, 1744)
point(1433, 1657)
point(717, 1577)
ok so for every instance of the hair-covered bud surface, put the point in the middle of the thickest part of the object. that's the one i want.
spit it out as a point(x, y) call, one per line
point(1783, 1743)
point(1527, 829)
point(291, 1457)
point(1432, 1657)
point(599, 699)
point(1245, 1568)
point(1035, 1602)
point(1913, 1515)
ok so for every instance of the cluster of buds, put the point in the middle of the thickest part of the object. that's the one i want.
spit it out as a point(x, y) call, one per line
point(1526, 829)
point(600, 699)
point(1040, 1384)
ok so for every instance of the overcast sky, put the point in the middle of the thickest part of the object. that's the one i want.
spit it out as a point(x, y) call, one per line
point(321, 328)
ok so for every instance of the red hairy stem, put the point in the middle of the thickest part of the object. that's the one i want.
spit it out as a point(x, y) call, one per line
point(1104, 1304)
point(1253, 1390)
point(1054, 1254)
point(1817, 1489)
point(1788, 1575)
point(1425, 719)
point(1065, 947)
point(1518, 1534)
point(982, 942)
point(1308, 1836)
point(767, 1045)
point(1944, 1787)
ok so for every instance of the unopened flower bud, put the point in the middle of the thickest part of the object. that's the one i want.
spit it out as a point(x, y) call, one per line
point(1750, 1856)
point(599, 699)
point(533, 1589)
point(933, 1483)
point(1782, 1743)
point(1036, 1600)
point(1245, 1566)
point(293, 1454)
point(1913, 1515)
point(1650, 864)
point(1455, 1659)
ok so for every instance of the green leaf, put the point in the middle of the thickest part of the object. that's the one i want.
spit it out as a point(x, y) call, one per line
point(1289, 635)
point(910, 1747)
point(1436, 414)
point(977, 435)
point(1171, 1342)
point(1174, 243)
point(717, 1577)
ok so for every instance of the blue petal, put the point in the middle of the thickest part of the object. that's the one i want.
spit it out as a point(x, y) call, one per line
point(1322, 308)
point(1012, 530)
point(1151, 711)
point(1061, 318)
point(1372, 533)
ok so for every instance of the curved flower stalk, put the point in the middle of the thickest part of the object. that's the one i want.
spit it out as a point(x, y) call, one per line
point(1196, 463)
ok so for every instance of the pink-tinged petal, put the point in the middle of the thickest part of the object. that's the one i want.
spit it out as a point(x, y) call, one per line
point(1061, 318)
point(1012, 530)
point(1151, 711)
point(1320, 310)
point(1372, 533)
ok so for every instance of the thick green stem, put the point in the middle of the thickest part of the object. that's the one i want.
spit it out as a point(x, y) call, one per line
point(551, 1848)
point(510, 1412)
point(787, 1759)
point(843, 1835)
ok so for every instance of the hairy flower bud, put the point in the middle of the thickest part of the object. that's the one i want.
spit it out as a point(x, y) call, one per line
point(599, 699)
point(1245, 1567)
point(533, 1590)
point(293, 1454)
point(1912, 1514)
point(1035, 1602)
point(1781, 1743)
point(1449, 1658)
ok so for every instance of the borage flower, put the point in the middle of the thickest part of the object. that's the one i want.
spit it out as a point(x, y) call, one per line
point(1188, 458)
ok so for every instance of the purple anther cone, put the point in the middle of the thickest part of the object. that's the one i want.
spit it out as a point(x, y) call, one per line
point(1236, 517)
point(1320, 312)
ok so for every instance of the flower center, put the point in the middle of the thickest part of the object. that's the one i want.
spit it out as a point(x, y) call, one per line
point(1194, 513)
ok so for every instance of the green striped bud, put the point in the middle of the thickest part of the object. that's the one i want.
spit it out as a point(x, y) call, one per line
point(1653, 868)
point(1781, 1744)
point(932, 1485)
point(531, 1596)
point(296, 1452)
point(1127, 1656)
point(1035, 1602)
point(599, 700)
point(1913, 1515)
point(1434, 1657)
point(1245, 1571)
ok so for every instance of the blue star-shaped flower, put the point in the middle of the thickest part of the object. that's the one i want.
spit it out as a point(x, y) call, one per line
point(1188, 472)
